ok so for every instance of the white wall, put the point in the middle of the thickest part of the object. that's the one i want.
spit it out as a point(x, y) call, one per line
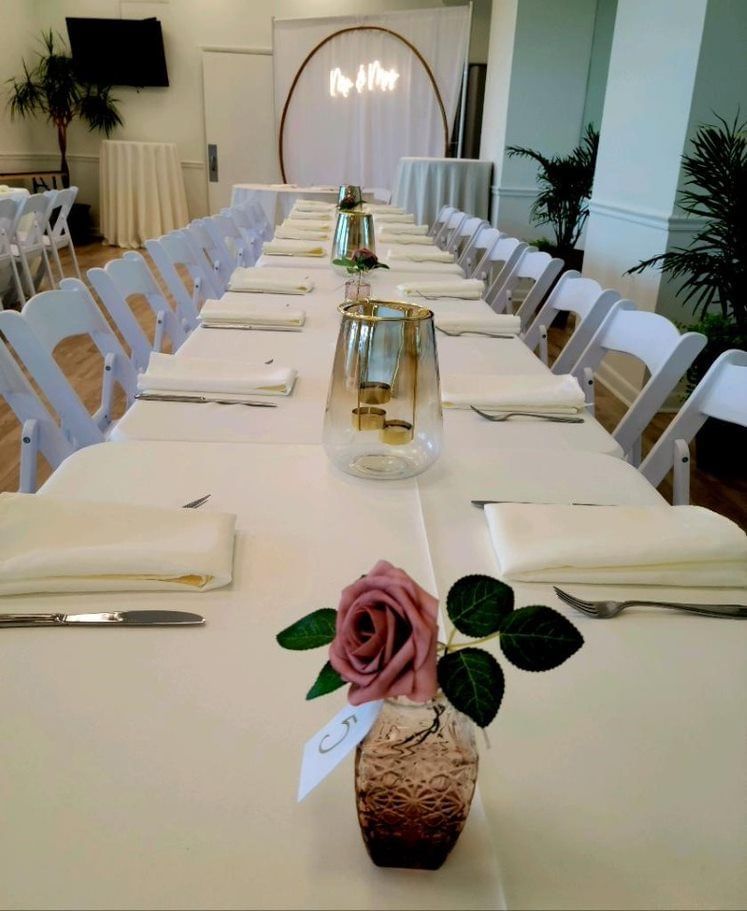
point(173, 114)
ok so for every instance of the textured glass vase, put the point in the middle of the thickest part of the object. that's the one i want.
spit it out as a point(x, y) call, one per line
point(357, 290)
point(353, 231)
point(415, 776)
point(383, 417)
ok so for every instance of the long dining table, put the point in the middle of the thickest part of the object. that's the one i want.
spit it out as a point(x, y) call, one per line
point(158, 768)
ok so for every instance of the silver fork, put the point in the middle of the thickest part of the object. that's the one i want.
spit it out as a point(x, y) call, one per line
point(604, 610)
point(459, 332)
point(553, 418)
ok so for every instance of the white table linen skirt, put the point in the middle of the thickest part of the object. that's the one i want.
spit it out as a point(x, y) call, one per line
point(423, 185)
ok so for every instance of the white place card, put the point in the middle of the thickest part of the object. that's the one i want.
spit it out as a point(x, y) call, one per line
point(330, 745)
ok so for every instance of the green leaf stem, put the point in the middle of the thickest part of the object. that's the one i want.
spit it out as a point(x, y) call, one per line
point(472, 681)
point(327, 682)
point(311, 631)
point(477, 605)
point(538, 638)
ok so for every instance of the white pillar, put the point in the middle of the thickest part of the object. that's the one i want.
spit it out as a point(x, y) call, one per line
point(538, 68)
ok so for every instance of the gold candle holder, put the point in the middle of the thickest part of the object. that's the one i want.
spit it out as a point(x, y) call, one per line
point(368, 418)
point(396, 433)
point(374, 393)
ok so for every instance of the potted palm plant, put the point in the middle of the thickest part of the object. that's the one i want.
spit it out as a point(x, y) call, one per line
point(53, 89)
point(712, 269)
point(565, 189)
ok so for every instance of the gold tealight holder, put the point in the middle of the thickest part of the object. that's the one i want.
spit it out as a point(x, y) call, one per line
point(368, 418)
point(374, 393)
point(396, 433)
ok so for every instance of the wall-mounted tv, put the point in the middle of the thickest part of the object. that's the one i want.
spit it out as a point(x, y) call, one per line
point(118, 51)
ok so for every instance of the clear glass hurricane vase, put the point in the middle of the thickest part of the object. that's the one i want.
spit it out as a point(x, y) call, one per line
point(415, 776)
point(383, 417)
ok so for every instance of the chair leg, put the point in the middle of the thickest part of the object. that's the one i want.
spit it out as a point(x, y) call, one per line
point(48, 269)
point(74, 258)
point(58, 262)
point(26, 271)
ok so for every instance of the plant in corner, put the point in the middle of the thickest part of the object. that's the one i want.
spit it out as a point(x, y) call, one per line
point(417, 767)
point(712, 269)
point(565, 188)
point(53, 89)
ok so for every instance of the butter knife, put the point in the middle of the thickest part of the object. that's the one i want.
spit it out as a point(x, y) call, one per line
point(480, 504)
point(113, 618)
point(199, 400)
point(254, 327)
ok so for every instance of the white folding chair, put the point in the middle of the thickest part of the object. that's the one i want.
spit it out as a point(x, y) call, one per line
point(497, 263)
point(654, 341)
point(450, 228)
point(444, 214)
point(530, 278)
point(722, 394)
point(249, 230)
point(58, 232)
point(39, 433)
point(478, 249)
point(118, 282)
point(206, 252)
point(10, 213)
point(463, 236)
point(225, 231)
point(28, 239)
point(170, 253)
point(251, 215)
point(77, 424)
point(57, 315)
point(575, 294)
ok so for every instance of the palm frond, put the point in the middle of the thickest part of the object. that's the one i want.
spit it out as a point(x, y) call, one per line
point(99, 109)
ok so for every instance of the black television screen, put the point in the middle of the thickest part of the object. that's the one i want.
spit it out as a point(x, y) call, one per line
point(118, 51)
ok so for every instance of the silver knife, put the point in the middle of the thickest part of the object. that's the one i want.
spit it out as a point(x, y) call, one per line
point(198, 399)
point(253, 327)
point(114, 618)
point(482, 503)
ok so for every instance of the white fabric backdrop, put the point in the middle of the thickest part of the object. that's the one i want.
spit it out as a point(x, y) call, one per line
point(360, 139)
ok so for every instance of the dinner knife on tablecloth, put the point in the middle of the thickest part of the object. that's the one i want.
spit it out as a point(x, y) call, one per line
point(110, 618)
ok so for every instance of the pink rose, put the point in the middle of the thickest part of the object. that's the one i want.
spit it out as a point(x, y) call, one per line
point(385, 644)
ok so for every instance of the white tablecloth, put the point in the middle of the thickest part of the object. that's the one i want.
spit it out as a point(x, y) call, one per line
point(141, 191)
point(277, 199)
point(423, 185)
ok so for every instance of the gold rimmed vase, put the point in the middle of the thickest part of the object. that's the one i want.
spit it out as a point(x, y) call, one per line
point(349, 196)
point(383, 417)
point(354, 230)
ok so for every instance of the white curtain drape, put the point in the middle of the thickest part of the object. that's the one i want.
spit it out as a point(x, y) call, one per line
point(358, 139)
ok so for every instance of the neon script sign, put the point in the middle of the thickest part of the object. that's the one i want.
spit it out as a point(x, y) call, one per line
point(371, 77)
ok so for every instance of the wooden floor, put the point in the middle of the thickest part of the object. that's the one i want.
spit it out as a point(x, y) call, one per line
point(82, 363)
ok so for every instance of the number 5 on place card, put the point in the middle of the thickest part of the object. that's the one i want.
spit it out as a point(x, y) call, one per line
point(330, 745)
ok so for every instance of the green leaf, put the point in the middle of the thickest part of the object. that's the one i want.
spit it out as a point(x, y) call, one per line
point(327, 682)
point(311, 631)
point(472, 681)
point(477, 605)
point(538, 638)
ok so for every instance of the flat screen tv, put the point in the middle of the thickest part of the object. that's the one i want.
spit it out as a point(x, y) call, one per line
point(118, 51)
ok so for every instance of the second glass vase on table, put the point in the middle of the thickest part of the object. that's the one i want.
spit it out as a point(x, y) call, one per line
point(383, 418)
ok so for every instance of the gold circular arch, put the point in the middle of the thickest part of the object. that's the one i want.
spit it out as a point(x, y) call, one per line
point(342, 31)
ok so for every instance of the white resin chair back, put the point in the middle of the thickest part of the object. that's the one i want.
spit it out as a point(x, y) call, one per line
point(444, 214)
point(464, 235)
point(498, 263)
point(10, 213)
point(39, 433)
point(209, 255)
point(58, 233)
point(170, 253)
point(532, 275)
point(256, 217)
point(450, 228)
point(722, 394)
point(478, 249)
point(57, 315)
point(250, 232)
point(225, 230)
point(28, 240)
point(573, 294)
point(78, 426)
point(655, 342)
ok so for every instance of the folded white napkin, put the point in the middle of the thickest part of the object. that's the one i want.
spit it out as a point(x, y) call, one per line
point(638, 545)
point(383, 208)
point(393, 227)
point(270, 281)
point(293, 248)
point(387, 237)
point(499, 323)
point(397, 218)
point(291, 232)
point(421, 253)
point(466, 289)
point(317, 217)
point(209, 376)
point(249, 312)
point(313, 205)
point(547, 394)
point(450, 271)
point(49, 544)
